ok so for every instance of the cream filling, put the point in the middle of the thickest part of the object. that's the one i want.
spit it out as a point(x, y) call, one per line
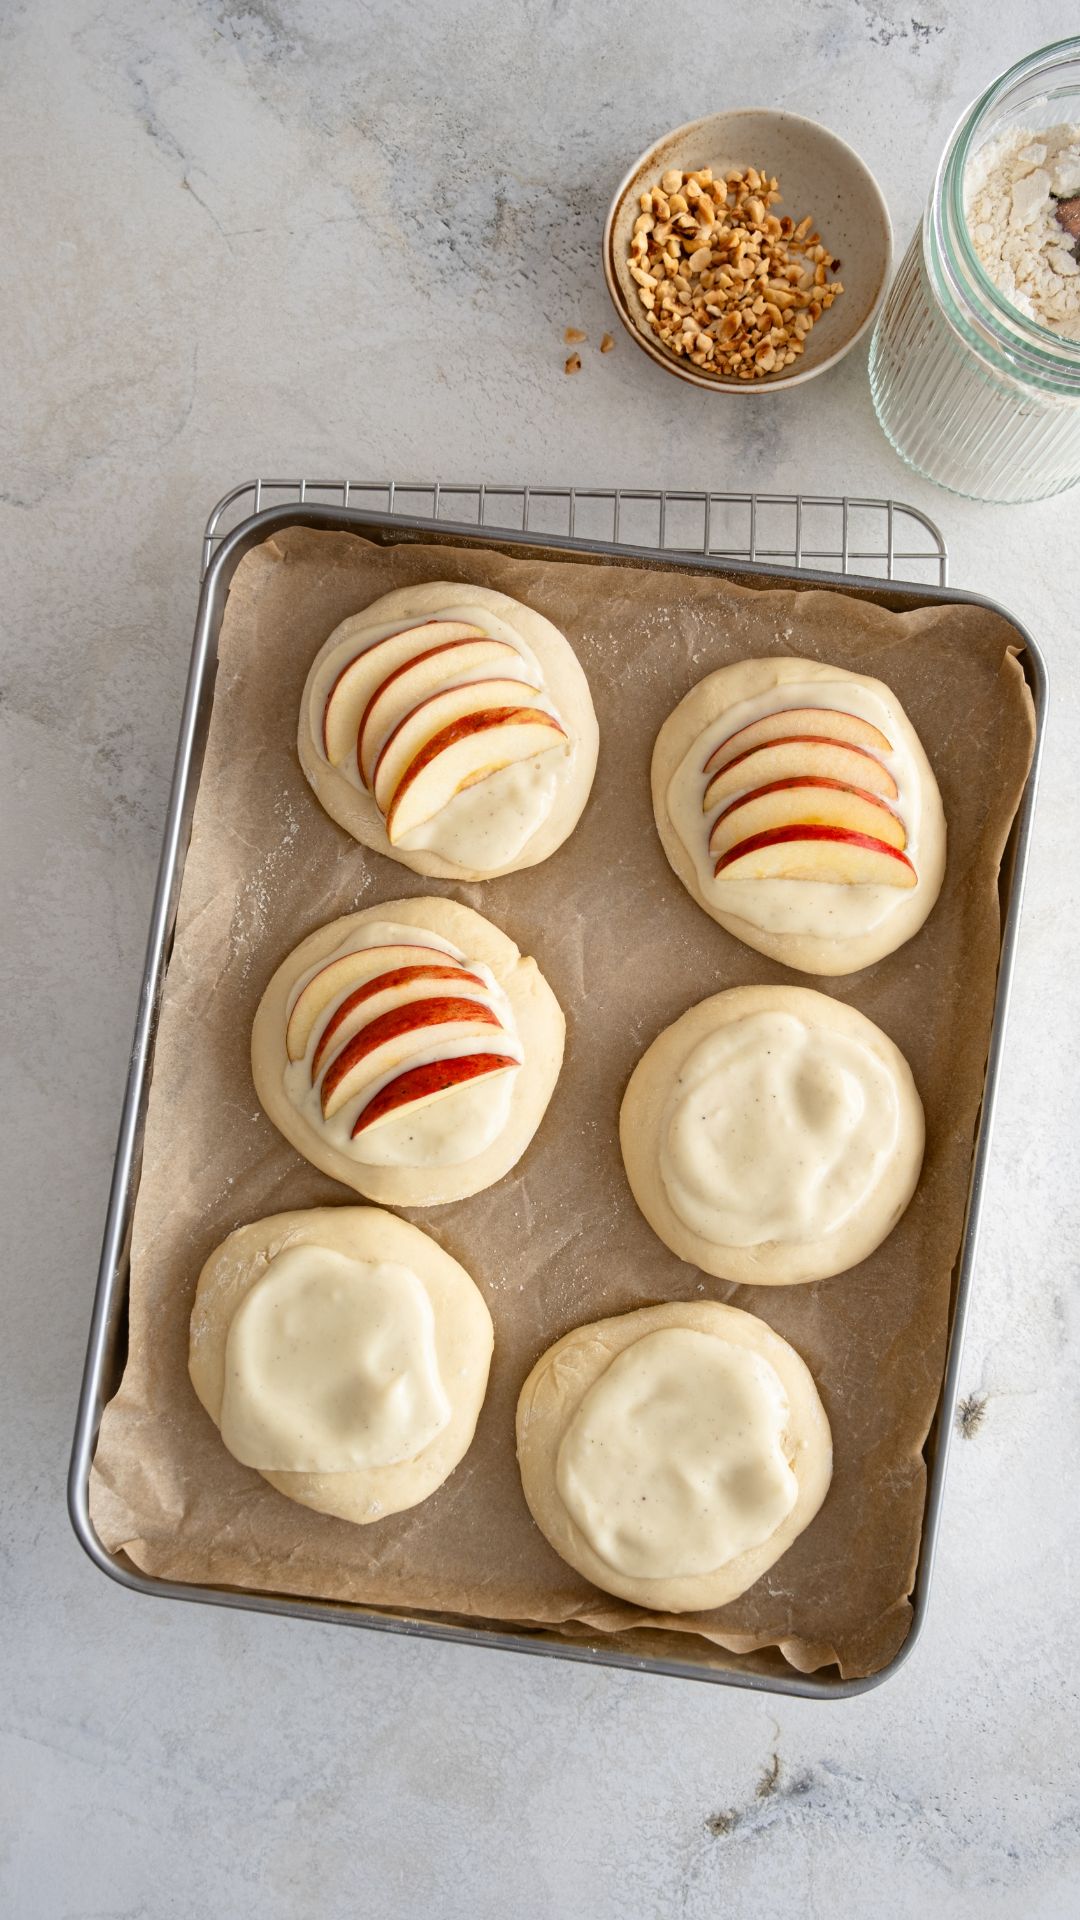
point(824, 909)
point(674, 1462)
point(776, 1131)
point(488, 825)
point(331, 1366)
point(444, 1132)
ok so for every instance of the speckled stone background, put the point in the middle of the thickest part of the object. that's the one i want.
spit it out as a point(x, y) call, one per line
point(321, 235)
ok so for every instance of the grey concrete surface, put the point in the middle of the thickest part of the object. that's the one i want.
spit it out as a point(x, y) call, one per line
point(307, 234)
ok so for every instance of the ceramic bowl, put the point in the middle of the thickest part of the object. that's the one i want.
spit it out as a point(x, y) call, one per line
point(820, 175)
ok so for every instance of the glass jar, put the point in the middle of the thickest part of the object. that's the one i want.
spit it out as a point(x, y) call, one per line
point(972, 393)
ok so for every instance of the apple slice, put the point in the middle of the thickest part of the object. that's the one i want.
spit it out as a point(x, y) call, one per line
point(467, 751)
point(359, 678)
point(419, 1085)
point(823, 723)
point(386, 1043)
point(348, 971)
point(381, 995)
point(807, 802)
point(429, 718)
point(817, 853)
point(418, 679)
point(790, 758)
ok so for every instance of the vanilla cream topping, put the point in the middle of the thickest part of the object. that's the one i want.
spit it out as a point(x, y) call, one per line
point(488, 824)
point(795, 906)
point(674, 1461)
point(776, 1131)
point(443, 1132)
point(331, 1366)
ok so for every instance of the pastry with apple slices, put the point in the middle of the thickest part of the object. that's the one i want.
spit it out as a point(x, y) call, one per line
point(343, 1355)
point(409, 1051)
point(450, 727)
point(795, 802)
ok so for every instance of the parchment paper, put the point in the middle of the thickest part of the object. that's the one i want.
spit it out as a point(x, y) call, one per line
point(559, 1241)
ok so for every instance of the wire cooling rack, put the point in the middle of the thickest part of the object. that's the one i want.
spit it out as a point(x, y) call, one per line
point(881, 539)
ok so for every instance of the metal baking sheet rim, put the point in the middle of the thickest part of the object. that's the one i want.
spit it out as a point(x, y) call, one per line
point(765, 1671)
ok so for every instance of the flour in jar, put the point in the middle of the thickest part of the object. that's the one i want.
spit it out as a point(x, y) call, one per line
point(1022, 195)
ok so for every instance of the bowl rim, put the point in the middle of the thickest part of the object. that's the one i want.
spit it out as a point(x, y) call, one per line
point(715, 383)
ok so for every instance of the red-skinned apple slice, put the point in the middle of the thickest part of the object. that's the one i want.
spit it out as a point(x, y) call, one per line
point(348, 971)
point(799, 755)
point(418, 679)
point(381, 995)
point(463, 753)
point(823, 723)
point(429, 718)
point(386, 1043)
point(807, 802)
point(358, 680)
point(817, 853)
point(418, 1086)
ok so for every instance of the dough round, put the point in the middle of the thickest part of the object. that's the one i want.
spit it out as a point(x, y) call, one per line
point(550, 1404)
point(540, 1030)
point(463, 1340)
point(565, 686)
point(873, 920)
point(815, 1149)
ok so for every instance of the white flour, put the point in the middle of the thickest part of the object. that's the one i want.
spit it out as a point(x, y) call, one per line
point(1012, 190)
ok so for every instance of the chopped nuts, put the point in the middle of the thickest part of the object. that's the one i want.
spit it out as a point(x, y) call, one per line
point(724, 282)
point(573, 364)
point(573, 336)
point(607, 344)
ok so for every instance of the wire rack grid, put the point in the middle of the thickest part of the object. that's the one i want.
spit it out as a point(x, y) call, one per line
point(878, 539)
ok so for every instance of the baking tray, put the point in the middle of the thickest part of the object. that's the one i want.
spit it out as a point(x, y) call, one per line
point(641, 1649)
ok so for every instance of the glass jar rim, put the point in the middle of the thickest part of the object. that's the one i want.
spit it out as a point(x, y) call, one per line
point(1061, 353)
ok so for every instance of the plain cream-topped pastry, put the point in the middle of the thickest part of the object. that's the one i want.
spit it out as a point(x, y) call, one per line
point(796, 804)
point(673, 1454)
point(408, 1050)
point(772, 1136)
point(343, 1355)
point(451, 727)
